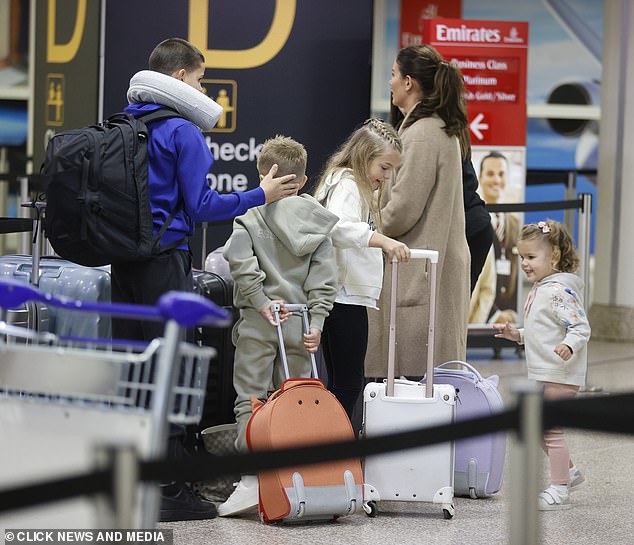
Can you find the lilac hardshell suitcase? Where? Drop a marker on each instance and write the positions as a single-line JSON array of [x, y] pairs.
[[479, 461], [62, 278]]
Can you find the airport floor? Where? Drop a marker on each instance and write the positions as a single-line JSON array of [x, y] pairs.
[[601, 511]]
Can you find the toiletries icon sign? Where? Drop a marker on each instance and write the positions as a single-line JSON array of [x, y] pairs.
[[55, 87], [225, 93]]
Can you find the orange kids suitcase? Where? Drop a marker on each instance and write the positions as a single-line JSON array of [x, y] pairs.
[[303, 412]]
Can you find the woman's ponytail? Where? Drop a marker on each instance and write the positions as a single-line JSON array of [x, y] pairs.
[[443, 90]]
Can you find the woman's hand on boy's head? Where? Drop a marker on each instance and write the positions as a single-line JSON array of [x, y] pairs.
[[278, 188]]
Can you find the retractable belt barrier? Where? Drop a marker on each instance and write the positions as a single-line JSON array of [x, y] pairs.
[[537, 206], [15, 225], [613, 414]]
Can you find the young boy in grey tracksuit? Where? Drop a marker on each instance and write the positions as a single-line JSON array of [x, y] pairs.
[[279, 252]]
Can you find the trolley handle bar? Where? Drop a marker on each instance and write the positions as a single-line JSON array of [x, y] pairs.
[[187, 309], [432, 255], [292, 307]]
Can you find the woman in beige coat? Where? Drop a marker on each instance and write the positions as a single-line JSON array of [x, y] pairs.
[[424, 209]]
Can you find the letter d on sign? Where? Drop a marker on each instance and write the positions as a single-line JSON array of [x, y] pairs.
[[283, 19], [62, 53]]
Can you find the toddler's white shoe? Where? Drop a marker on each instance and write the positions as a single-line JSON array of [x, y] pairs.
[[577, 480], [244, 498], [553, 498]]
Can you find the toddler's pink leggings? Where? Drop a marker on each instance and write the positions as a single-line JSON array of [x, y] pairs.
[[555, 445]]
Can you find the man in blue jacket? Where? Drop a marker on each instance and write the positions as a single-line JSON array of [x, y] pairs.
[[179, 161]]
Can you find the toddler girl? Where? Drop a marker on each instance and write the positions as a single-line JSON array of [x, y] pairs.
[[555, 334]]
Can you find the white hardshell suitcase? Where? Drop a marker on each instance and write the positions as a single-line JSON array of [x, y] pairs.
[[416, 475]]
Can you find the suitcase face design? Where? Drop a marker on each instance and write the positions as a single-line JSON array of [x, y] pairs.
[[479, 467], [422, 474], [302, 413]]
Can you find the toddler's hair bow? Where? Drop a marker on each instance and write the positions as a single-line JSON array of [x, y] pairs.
[[543, 226]]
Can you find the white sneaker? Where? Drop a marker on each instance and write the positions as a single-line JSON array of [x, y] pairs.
[[577, 480], [244, 498], [553, 498]]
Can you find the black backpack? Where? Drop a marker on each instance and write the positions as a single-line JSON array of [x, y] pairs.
[[98, 207]]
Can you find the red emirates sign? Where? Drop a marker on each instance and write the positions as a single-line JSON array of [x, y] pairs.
[[415, 12], [492, 56]]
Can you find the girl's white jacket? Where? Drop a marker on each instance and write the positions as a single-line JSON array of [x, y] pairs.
[[360, 268], [553, 315]]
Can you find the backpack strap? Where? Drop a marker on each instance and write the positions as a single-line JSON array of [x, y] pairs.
[[148, 118], [159, 114], [156, 247]]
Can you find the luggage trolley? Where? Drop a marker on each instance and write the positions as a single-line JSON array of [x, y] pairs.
[[62, 397]]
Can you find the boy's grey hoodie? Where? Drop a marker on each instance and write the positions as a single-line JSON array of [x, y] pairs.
[[554, 314], [283, 251]]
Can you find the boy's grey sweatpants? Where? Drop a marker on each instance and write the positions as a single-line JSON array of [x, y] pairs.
[[258, 368]]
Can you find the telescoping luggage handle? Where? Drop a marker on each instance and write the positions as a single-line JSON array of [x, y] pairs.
[[276, 308], [432, 256]]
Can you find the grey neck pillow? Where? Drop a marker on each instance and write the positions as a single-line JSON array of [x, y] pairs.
[[157, 88]]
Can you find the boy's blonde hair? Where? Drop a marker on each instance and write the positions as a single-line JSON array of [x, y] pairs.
[[554, 233], [368, 142], [288, 154]]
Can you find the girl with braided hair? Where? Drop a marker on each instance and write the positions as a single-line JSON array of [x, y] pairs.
[[424, 208], [556, 334], [354, 174]]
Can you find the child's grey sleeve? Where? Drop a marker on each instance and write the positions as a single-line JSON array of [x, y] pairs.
[[321, 284], [245, 268]]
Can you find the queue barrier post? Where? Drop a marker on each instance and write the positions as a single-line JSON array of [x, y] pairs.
[[120, 504], [525, 465], [583, 243]]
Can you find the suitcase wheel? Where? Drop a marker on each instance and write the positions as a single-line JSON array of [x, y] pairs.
[[448, 511], [370, 508]]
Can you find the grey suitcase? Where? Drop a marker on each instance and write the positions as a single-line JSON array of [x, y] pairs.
[[63, 278]]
